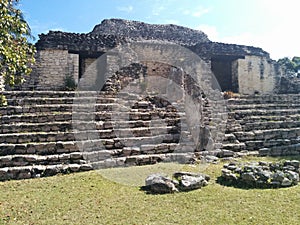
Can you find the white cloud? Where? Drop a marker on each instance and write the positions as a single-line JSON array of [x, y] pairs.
[[197, 12], [157, 10], [127, 9], [200, 12]]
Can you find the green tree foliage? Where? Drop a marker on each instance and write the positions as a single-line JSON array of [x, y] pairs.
[[291, 65], [16, 53]]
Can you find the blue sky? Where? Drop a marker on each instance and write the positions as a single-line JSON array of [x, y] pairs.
[[269, 24]]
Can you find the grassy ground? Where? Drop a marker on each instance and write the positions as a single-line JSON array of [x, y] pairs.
[[89, 198]]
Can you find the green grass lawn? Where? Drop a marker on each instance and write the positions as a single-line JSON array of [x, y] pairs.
[[90, 198]]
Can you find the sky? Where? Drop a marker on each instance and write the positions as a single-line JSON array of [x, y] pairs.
[[269, 24]]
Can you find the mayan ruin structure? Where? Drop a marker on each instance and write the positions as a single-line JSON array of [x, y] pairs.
[[63, 119]]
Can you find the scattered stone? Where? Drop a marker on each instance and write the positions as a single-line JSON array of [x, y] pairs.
[[160, 184], [183, 181], [261, 174]]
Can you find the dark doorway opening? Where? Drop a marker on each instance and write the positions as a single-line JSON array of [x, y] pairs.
[[222, 67]]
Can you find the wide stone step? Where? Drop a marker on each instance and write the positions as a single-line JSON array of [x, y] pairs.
[[30, 160], [257, 144], [270, 125], [56, 101], [140, 160], [44, 117], [39, 148], [19, 138], [264, 99], [36, 127], [26, 172], [86, 143], [239, 114], [288, 150], [63, 126], [36, 118], [12, 110], [276, 118], [288, 105], [291, 133], [235, 147], [81, 109], [108, 146], [57, 94]]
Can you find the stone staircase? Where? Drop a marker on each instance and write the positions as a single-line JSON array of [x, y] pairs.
[[45, 132], [268, 124], [48, 132]]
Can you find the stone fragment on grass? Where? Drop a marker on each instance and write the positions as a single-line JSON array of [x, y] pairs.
[[261, 174], [160, 184], [184, 181]]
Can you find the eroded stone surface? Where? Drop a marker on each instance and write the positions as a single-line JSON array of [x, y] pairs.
[[183, 181], [261, 174]]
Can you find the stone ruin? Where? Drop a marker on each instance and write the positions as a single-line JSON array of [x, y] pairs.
[[238, 68], [261, 174], [42, 136]]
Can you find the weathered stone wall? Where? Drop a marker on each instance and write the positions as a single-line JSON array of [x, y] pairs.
[[73, 62], [53, 66], [61, 54], [256, 75]]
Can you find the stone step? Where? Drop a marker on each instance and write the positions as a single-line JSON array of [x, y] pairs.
[[26, 172], [30, 160], [288, 105], [56, 94], [140, 160], [11, 110], [230, 139], [40, 148], [85, 142], [56, 101], [291, 133], [235, 147], [240, 114], [270, 125], [288, 150], [80, 109], [63, 126], [19, 138], [44, 117], [257, 144], [276, 118], [114, 147], [250, 99]]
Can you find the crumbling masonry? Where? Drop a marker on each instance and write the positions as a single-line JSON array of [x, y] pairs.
[[46, 129]]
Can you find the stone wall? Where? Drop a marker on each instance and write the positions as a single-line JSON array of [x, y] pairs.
[[256, 75], [53, 66], [247, 69], [73, 62]]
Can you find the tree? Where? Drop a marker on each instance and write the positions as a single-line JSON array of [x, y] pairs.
[[291, 65], [16, 53], [296, 60], [288, 64]]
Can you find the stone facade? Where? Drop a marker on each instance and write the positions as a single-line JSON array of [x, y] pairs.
[[238, 68], [255, 74]]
